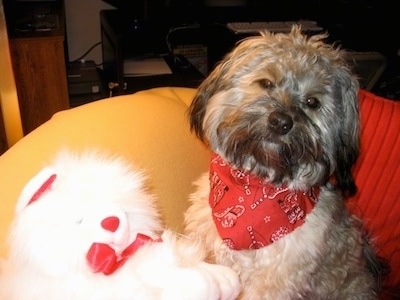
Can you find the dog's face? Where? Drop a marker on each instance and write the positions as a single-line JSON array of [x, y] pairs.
[[285, 107]]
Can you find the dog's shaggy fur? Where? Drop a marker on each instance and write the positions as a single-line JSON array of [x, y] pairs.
[[75, 221], [283, 108]]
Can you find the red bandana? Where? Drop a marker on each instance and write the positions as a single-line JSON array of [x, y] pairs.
[[251, 213]]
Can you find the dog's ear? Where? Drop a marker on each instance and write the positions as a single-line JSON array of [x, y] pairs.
[[197, 108], [207, 89], [348, 148]]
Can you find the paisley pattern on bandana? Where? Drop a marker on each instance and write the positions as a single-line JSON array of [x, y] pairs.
[[251, 213]]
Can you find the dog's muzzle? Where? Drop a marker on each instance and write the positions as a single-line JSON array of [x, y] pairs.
[[280, 123]]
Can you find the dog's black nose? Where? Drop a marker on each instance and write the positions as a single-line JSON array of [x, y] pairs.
[[280, 122]]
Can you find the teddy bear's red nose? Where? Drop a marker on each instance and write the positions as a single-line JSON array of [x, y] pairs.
[[110, 223]]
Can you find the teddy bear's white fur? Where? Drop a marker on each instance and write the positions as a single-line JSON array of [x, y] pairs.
[[74, 221]]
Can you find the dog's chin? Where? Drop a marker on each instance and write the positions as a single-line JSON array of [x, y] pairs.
[[295, 159]]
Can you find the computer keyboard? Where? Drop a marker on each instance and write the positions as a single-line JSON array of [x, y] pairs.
[[256, 27]]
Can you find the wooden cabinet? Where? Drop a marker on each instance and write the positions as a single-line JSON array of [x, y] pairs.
[[39, 64], [40, 77]]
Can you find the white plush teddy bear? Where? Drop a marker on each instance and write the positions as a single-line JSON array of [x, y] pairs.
[[87, 228]]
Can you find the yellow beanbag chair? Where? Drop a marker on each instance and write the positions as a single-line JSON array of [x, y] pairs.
[[149, 128]]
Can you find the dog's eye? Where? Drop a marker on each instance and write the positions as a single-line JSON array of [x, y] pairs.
[[266, 83], [312, 102]]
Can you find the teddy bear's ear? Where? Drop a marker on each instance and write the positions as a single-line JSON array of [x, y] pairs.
[[35, 188]]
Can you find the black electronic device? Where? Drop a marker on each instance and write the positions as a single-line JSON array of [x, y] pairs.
[[120, 45], [368, 66], [83, 78]]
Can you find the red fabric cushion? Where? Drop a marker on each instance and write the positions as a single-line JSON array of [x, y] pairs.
[[377, 176]]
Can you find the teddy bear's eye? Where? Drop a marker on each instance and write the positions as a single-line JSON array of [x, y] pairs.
[[265, 83], [313, 103]]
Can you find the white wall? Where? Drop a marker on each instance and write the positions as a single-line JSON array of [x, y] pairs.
[[83, 28]]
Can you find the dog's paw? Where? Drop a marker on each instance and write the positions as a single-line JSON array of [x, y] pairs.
[[204, 282], [227, 280]]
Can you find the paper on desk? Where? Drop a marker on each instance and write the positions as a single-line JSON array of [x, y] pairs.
[[146, 67]]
